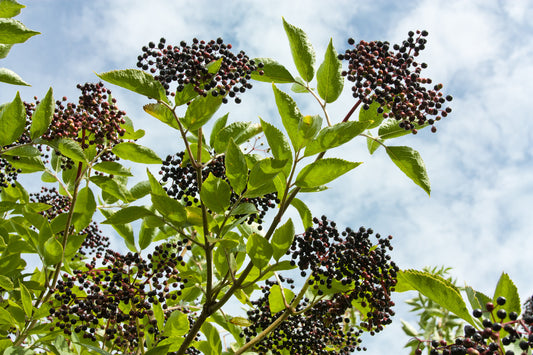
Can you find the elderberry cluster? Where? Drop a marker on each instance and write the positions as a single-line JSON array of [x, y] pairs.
[[391, 77], [190, 64], [184, 184], [350, 262], [500, 329], [317, 330], [111, 300], [8, 173]]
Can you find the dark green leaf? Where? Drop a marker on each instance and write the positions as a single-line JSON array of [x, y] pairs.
[[186, 95], [10, 8], [41, 118], [436, 288], [13, 31], [372, 116], [52, 251], [12, 120], [84, 208], [23, 151], [323, 171], [244, 209], [212, 345], [239, 131], [137, 81], [279, 146], [70, 149], [282, 239], [200, 110], [236, 169], [506, 288], [273, 72], [112, 167], [169, 208], [113, 187], [334, 136], [217, 126], [146, 236], [309, 126], [220, 259], [215, 194], [304, 212], [136, 153], [124, 230], [264, 172], [290, 116], [26, 299], [162, 113], [259, 250], [275, 298], [26, 164], [74, 243], [329, 79], [177, 324], [391, 129], [410, 162], [303, 54], [140, 189], [128, 214], [6, 283], [10, 77]]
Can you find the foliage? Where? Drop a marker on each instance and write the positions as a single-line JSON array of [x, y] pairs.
[[213, 229]]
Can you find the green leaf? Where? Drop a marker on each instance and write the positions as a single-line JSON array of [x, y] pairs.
[[410, 162], [10, 77], [162, 113], [124, 230], [304, 212], [391, 129], [25, 297], [290, 117], [4, 50], [273, 72], [74, 243], [309, 126], [372, 144], [6, 283], [217, 126], [169, 208], [200, 110], [177, 324], [240, 321], [136, 153], [282, 239], [137, 81], [215, 194], [240, 132], [26, 164], [303, 54], [114, 187], [13, 31], [155, 186], [186, 95], [264, 171], [140, 189], [334, 136], [506, 288], [23, 150], [212, 345], [146, 236], [329, 79], [128, 214], [436, 288], [131, 133], [17, 350], [259, 250], [244, 209], [323, 171], [84, 208], [372, 116], [42, 117], [112, 167], [409, 329], [10, 8], [236, 169], [70, 149], [93, 348], [12, 120], [279, 146], [52, 251], [275, 298], [299, 87]]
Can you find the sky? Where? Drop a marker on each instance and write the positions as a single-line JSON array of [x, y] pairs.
[[479, 217]]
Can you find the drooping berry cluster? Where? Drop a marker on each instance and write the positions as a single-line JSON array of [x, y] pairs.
[[95, 120], [108, 302], [349, 261], [500, 330], [190, 64], [392, 78], [317, 330], [184, 185]]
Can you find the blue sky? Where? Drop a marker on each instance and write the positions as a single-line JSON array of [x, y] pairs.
[[479, 217]]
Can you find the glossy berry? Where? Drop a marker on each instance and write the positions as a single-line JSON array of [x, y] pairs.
[[501, 300]]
